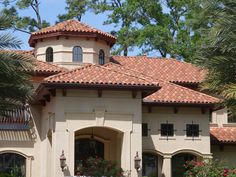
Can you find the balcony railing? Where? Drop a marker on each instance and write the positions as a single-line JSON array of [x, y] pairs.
[[17, 119]]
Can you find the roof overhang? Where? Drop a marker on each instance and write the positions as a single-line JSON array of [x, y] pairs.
[[145, 90], [34, 38], [179, 104]]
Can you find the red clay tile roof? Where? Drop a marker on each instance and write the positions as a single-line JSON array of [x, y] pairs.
[[42, 67], [165, 69], [223, 134], [100, 75], [71, 27], [39, 67], [169, 93]]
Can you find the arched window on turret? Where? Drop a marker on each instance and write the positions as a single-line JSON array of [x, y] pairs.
[[49, 54], [101, 57], [77, 54]]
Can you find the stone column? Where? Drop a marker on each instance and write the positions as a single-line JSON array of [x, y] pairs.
[[28, 166], [166, 166], [125, 153]]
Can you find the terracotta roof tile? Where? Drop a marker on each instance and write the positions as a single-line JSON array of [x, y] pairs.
[[46, 68], [223, 134], [100, 75], [72, 26], [169, 92], [166, 69]]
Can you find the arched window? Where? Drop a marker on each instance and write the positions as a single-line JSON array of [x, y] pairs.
[[11, 163], [150, 165], [77, 54], [49, 54], [101, 57]]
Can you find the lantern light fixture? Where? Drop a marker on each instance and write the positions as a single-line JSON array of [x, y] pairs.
[[63, 161], [137, 161]]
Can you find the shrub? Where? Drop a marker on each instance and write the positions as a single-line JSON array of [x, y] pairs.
[[208, 169], [99, 167]]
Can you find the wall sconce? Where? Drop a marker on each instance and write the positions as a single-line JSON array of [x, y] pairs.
[[63, 161], [137, 161]]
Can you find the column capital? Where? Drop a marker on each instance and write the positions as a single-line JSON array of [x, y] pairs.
[[167, 156], [207, 156]]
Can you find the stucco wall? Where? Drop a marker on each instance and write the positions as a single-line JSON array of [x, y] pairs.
[[62, 49], [116, 110], [179, 142], [220, 117], [227, 154], [30, 147]]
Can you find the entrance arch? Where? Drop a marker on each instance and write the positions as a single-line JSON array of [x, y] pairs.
[[101, 142], [86, 148], [178, 161]]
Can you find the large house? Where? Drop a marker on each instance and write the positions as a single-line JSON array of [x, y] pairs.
[[124, 109]]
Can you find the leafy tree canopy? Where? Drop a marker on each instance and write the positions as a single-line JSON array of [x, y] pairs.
[[25, 24]]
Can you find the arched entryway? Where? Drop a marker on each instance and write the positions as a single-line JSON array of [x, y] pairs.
[[178, 162], [86, 148], [101, 142], [12, 164]]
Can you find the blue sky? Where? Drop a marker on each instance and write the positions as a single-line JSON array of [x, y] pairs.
[[49, 10]]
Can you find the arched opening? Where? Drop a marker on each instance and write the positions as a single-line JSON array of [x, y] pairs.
[[149, 165], [97, 142], [178, 162], [77, 54], [86, 148], [101, 57], [12, 164], [49, 54]]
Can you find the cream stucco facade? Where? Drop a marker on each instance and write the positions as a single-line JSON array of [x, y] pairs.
[[116, 118], [63, 46], [113, 117]]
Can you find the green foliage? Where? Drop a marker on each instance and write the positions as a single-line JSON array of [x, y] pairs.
[[218, 51], [25, 24], [208, 169], [15, 87], [99, 167], [166, 28], [75, 9], [122, 14], [5, 175]]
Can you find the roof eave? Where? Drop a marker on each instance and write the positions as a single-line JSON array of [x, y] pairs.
[[146, 90], [189, 104], [105, 86], [34, 37]]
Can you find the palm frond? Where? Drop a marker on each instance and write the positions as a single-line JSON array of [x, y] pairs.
[[230, 91], [9, 42]]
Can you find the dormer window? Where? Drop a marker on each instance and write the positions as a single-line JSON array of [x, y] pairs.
[[101, 57], [77, 54], [49, 54]]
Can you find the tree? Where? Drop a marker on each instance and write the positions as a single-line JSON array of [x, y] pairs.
[[121, 13], [217, 54], [166, 27], [25, 24], [15, 87], [75, 9]]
